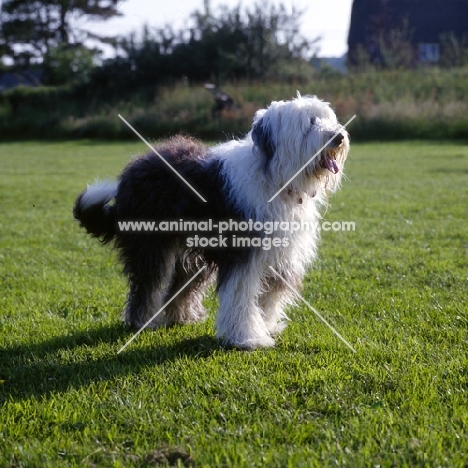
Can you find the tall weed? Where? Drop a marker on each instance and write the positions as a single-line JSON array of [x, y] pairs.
[[424, 103]]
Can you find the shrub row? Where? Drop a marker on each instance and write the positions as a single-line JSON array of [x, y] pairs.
[[388, 105]]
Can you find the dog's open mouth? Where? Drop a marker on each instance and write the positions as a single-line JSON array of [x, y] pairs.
[[328, 160]]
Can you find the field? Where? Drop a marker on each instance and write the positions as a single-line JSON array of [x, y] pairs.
[[396, 288]]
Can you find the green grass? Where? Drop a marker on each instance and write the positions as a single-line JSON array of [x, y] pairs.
[[395, 288]]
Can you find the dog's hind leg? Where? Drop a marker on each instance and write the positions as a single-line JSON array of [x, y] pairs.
[[187, 305], [149, 269], [143, 303], [240, 320]]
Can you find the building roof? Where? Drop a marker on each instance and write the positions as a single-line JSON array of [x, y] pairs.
[[427, 19]]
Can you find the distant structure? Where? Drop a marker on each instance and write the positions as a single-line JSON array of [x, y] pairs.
[[26, 78], [422, 22]]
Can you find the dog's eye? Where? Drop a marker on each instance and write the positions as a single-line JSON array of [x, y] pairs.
[[313, 121]]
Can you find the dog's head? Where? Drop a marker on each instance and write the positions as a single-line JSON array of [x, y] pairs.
[[301, 138]]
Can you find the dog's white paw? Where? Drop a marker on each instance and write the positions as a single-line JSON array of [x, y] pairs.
[[275, 328], [249, 344]]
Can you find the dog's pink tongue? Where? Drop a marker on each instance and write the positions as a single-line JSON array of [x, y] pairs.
[[331, 165]]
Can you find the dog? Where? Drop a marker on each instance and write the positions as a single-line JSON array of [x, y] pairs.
[[279, 175]]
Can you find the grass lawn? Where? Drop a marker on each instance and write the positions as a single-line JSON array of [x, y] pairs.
[[396, 288]]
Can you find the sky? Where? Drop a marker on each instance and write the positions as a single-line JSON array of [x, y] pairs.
[[328, 19]]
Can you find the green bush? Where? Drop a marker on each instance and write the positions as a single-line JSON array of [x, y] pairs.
[[425, 103]]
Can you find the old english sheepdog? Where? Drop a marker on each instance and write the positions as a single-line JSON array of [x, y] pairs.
[[263, 194]]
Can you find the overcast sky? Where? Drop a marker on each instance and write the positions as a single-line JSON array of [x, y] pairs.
[[326, 18]]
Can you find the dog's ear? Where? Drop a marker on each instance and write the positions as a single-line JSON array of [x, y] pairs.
[[263, 139]]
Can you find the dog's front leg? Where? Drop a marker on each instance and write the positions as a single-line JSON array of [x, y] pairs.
[[240, 320]]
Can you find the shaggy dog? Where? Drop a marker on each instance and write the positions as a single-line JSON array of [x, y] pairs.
[[241, 230]]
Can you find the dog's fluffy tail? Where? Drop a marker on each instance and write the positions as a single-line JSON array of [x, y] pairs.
[[93, 211]]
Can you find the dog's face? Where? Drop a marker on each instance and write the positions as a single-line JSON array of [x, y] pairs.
[[291, 135]]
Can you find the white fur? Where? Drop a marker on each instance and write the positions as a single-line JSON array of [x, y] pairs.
[[99, 193], [249, 316]]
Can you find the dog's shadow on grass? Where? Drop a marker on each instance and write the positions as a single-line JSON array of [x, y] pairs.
[[56, 365], [449, 170]]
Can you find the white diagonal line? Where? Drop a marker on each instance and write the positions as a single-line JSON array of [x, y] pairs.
[[315, 311], [161, 309], [162, 159], [309, 161]]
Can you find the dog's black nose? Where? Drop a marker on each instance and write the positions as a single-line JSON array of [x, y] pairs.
[[339, 137]]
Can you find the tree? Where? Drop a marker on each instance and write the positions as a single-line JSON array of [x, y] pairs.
[[259, 42], [67, 64], [30, 29], [252, 42]]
